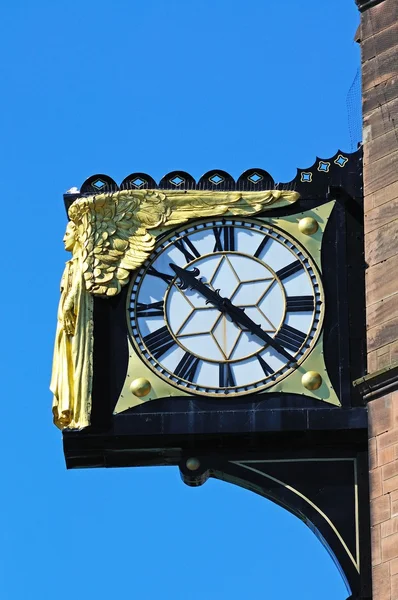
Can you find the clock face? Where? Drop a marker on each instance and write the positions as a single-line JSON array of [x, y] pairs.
[[225, 307]]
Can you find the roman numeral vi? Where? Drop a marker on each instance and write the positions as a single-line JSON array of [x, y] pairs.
[[226, 376]]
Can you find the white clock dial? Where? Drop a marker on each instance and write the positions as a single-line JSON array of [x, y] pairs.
[[225, 307]]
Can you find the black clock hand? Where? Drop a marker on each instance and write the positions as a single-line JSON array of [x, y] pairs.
[[238, 315], [188, 279]]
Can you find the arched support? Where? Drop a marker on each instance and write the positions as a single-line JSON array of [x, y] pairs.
[[328, 493]]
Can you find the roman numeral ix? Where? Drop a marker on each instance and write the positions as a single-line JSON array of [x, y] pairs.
[[149, 310]]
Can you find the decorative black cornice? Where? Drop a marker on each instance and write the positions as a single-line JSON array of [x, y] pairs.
[[342, 170], [378, 384]]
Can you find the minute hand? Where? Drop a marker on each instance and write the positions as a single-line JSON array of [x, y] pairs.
[[188, 279], [240, 317]]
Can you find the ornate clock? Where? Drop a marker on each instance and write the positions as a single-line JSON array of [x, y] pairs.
[[226, 307], [222, 300], [230, 307]]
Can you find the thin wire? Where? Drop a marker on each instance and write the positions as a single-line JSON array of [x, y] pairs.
[[354, 111]]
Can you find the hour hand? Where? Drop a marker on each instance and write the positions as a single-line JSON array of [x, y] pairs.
[[189, 279]]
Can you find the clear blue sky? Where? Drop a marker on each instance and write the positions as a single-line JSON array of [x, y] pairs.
[[152, 85]]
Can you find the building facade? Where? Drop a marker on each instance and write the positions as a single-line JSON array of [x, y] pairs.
[[378, 37]]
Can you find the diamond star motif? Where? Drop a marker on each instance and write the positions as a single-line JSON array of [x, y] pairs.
[[204, 323]]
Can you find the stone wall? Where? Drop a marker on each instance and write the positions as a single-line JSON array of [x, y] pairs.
[[379, 49], [378, 35], [383, 464]]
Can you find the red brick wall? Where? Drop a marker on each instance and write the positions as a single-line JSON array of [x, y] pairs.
[[383, 465], [379, 50]]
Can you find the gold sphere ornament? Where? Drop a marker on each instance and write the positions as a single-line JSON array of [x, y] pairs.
[[140, 387], [311, 380], [193, 464], [308, 226]]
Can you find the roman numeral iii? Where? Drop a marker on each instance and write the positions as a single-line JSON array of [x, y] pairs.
[[299, 303]]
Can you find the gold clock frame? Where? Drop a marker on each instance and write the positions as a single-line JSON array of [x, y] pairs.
[[274, 233], [291, 383]]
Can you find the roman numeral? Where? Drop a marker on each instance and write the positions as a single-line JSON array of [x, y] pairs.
[[289, 269], [261, 247], [165, 276], [187, 367], [183, 244], [290, 338], [226, 376], [299, 303], [264, 365], [149, 310], [225, 239], [159, 342]]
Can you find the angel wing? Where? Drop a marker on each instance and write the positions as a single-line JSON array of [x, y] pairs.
[[113, 229]]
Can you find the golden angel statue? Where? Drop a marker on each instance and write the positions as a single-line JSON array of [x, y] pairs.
[[109, 236], [72, 369]]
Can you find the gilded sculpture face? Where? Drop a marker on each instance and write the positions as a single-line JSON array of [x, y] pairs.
[[69, 238]]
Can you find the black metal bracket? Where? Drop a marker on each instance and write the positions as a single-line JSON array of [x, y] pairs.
[[328, 492]]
